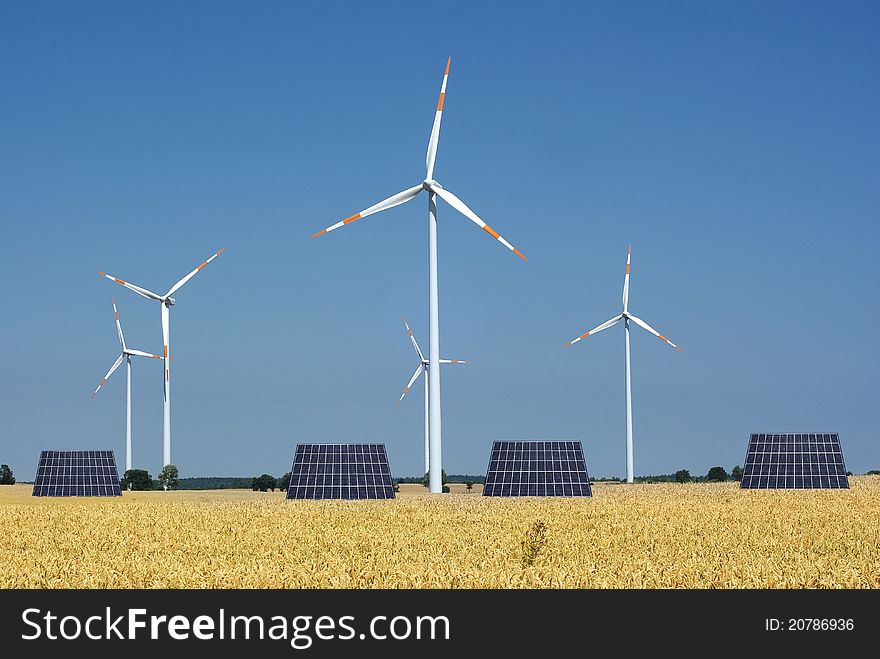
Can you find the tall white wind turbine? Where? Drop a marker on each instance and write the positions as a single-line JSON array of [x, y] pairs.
[[165, 302], [434, 189], [626, 317], [424, 366], [127, 354]]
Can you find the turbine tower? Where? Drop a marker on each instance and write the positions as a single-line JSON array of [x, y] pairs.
[[434, 189], [626, 317], [127, 354], [424, 365], [165, 302]]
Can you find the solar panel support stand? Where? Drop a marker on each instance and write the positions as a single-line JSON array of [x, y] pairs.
[[629, 411], [435, 459]]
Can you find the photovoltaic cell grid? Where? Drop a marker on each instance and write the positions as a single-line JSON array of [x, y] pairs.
[[77, 474], [537, 469], [340, 471], [794, 461]]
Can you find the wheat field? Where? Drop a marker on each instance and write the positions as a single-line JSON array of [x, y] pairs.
[[636, 536]]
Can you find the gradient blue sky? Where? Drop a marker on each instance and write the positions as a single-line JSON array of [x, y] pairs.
[[735, 144]]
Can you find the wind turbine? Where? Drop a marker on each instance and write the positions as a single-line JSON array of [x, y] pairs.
[[626, 317], [127, 354], [424, 365], [166, 302], [434, 189]]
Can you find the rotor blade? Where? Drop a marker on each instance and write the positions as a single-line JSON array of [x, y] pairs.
[[414, 342], [454, 361], [626, 279], [137, 289], [435, 129], [165, 333], [641, 323], [384, 205], [118, 325], [603, 326], [177, 286], [141, 353], [462, 208], [109, 373], [411, 380]]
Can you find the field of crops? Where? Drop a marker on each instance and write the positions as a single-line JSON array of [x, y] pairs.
[[642, 536]]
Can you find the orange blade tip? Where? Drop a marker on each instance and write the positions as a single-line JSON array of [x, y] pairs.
[[520, 255], [101, 273], [320, 233], [220, 251], [448, 62], [679, 349]]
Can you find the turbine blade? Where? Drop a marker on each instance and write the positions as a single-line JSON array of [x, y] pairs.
[[462, 208], [599, 328], [626, 280], [435, 129], [141, 353], [109, 373], [137, 289], [414, 342], [118, 326], [454, 361], [641, 323], [192, 274], [410, 384], [384, 205]]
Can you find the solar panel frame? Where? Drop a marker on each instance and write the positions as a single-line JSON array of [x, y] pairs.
[[794, 461], [543, 468], [77, 474], [340, 471]]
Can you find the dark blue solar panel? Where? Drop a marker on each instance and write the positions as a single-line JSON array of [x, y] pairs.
[[794, 461], [537, 469], [340, 471], [76, 474]]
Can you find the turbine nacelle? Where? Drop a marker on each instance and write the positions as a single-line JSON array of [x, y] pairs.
[[428, 183], [169, 302]]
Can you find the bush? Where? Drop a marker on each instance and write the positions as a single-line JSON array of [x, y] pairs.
[[264, 483], [6, 477], [717, 474], [136, 479]]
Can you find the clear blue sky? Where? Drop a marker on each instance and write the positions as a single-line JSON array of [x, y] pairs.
[[735, 144]]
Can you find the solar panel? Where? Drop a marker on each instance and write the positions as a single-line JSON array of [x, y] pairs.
[[77, 474], [794, 461], [537, 469], [340, 471]]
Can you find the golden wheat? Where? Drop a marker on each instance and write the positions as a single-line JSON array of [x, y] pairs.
[[642, 536]]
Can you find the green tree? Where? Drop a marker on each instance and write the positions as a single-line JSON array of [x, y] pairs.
[[168, 477], [469, 485], [284, 482], [264, 483], [6, 477], [426, 481], [683, 476], [717, 474], [136, 479], [737, 473]]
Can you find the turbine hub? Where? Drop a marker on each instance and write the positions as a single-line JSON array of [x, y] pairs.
[[169, 302], [427, 183]]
